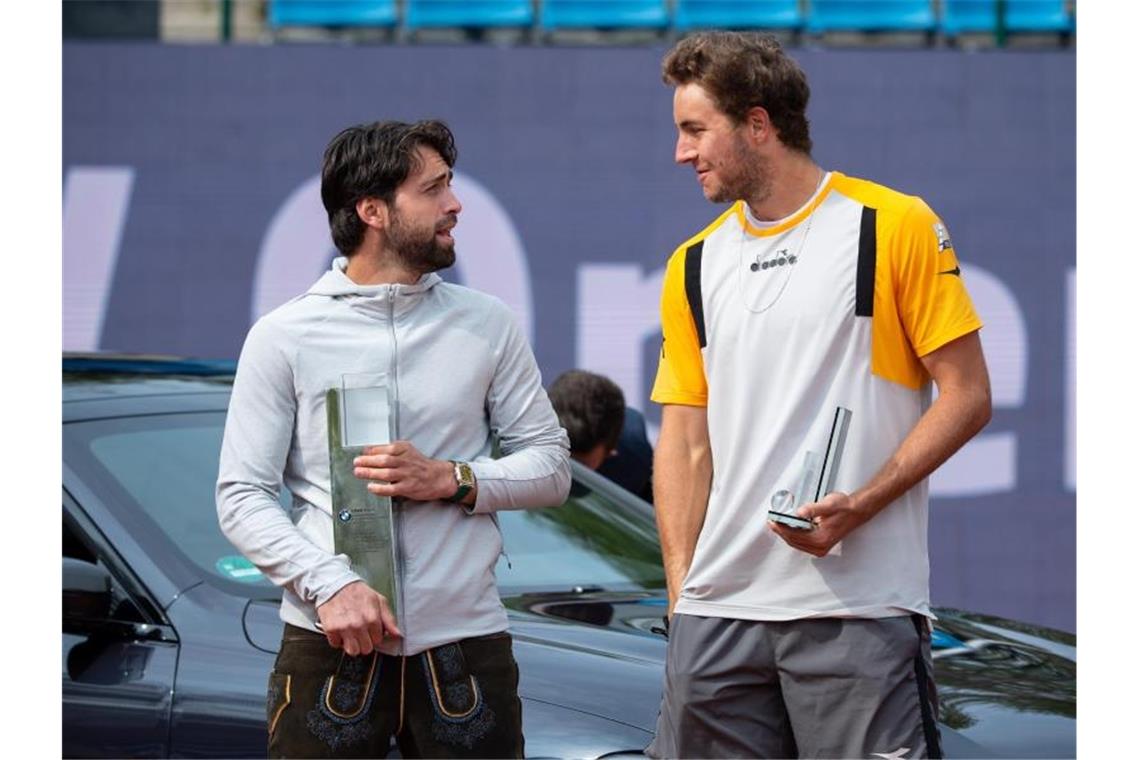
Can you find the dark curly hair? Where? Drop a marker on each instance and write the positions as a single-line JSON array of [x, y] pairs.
[[742, 70], [371, 161]]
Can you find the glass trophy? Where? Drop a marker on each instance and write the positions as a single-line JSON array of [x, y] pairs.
[[817, 477], [360, 415]]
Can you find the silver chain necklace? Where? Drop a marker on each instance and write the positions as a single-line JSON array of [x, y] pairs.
[[782, 259]]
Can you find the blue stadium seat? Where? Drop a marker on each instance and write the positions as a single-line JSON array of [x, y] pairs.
[[960, 16], [737, 14], [1037, 16], [420, 14], [870, 16], [376, 13], [623, 14]]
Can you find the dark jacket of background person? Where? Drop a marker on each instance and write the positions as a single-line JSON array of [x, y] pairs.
[[632, 466]]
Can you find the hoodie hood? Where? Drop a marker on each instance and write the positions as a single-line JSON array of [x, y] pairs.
[[372, 298]]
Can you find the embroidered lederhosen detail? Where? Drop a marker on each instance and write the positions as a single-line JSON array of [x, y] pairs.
[[459, 695], [463, 716], [344, 701], [344, 697], [280, 695]]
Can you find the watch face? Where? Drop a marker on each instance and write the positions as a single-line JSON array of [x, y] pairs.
[[466, 476]]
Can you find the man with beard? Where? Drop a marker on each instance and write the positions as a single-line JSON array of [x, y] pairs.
[[814, 293], [349, 676]]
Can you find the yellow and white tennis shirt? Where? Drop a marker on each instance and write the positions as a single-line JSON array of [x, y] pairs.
[[771, 327]]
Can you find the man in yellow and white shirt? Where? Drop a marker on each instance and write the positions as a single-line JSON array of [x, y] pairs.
[[813, 291]]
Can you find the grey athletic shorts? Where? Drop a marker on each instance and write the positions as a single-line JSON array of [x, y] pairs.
[[821, 688]]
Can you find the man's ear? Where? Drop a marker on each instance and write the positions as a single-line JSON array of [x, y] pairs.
[[758, 124], [373, 212]]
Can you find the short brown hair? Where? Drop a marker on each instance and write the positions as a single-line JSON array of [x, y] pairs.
[[742, 70]]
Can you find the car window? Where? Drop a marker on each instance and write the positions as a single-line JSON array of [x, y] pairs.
[[121, 607], [595, 539], [157, 472]]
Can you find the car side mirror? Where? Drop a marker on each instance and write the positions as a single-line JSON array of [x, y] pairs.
[[86, 592]]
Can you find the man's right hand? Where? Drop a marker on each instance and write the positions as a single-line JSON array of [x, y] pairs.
[[356, 619]]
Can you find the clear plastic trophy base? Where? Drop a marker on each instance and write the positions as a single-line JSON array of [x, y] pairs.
[[817, 477]]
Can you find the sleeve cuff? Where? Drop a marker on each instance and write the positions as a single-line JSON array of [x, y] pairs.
[[485, 471], [945, 337], [675, 397], [344, 576]]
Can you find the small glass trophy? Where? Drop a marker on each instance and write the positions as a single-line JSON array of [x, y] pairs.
[[360, 415], [817, 478]]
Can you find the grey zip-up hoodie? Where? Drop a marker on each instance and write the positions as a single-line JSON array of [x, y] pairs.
[[460, 368]]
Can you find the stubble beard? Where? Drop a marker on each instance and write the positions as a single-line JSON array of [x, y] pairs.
[[745, 176], [418, 248]]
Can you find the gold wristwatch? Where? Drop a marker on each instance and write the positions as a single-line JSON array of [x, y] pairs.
[[465, 478]]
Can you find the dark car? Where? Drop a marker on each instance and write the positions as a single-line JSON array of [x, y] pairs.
[[169, 634]]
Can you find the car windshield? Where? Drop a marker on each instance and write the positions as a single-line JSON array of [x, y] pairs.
[[157, 474]]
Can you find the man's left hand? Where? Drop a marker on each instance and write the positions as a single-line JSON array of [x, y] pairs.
[[834, 516], [399, 469]]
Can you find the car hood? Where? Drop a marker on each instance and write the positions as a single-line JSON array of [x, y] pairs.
[[1008, 686], [1006, 689], [604, 673]]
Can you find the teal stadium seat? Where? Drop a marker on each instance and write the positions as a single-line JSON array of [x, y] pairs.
[[963, 16], [1037, 16], [737, 14], [871, 16], [604, 14], [332, 13], [422, 14]]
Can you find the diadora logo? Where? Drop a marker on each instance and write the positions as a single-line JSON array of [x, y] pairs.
[[781, 258], [896, 755]]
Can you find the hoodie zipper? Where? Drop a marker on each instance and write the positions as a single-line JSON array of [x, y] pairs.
[[397, 508]]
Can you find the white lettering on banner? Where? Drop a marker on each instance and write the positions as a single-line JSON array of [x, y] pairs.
[[95, 202], [489, 253], [988, 463], [617, 310], [295, 250], [1071, 380]]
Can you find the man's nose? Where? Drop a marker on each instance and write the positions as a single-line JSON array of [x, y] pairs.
[[452, 204], [685, 152]]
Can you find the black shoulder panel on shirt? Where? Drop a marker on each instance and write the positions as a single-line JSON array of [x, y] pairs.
[[865, 273], [693, 287]]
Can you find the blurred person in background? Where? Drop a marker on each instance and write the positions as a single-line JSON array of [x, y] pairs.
[[605, 434], [813, 291], [349, 676]]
